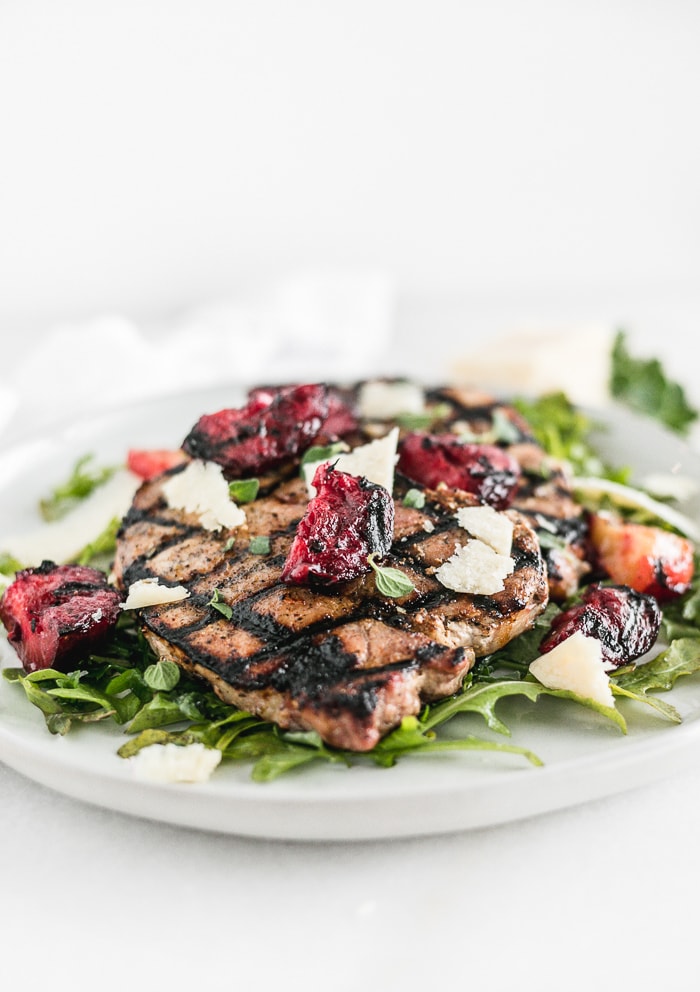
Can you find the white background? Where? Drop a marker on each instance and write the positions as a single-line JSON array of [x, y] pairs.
[[501, 163], [157, 154]]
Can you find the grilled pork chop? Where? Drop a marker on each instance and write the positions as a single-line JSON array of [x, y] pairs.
[[344, 661], [544, 492]]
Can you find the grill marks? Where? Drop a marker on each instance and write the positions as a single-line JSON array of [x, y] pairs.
[[345, 661]]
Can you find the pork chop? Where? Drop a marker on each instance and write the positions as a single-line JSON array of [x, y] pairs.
[[344, 661]]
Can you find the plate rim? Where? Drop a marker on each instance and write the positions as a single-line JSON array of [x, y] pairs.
[[333, 815]]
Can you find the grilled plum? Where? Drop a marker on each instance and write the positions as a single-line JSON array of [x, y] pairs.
[[625, 622], [55, 614], [648, 559], [342, 416], [348, 519], [482, 469], [274, 426]]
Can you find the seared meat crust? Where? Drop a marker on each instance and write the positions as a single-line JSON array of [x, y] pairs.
[[344, 661]]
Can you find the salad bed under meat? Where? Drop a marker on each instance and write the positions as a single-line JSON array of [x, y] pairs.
[[327, 572]]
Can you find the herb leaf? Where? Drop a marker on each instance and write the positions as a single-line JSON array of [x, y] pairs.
[[322, 453], [259, 545], [643, 385], [162, 676], [390, 582], [415, 499], [217, 602], [243, 490]]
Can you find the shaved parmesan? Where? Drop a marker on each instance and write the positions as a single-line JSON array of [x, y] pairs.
[[63, 540], [476, 569], [175, 762], [384, 400], [636, 499], [490, 526], [576, 665], [202, 489], [375, 461], [149, 592]]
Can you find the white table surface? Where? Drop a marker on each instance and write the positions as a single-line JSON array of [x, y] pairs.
[[604, 892]]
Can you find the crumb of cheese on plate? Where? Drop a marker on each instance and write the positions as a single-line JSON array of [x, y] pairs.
[[175, 762]]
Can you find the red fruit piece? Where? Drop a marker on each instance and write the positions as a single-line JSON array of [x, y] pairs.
[[348, 519], [482, 469], [648, 559], [56, 613], [342, 416], [150, 462], [625, 622], [273, 426]]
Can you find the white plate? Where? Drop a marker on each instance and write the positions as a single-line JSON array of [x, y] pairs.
[[585, 756]]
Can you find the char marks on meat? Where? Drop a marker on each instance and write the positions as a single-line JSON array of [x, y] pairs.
[[341, 660]]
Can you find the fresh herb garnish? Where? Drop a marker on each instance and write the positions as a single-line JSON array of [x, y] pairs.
[[162, 676], [390, 582], [218, 603], [320, 453], [243, 490], [259, 545], [81, 482], [643, 385], [425, 419], [415, 499]]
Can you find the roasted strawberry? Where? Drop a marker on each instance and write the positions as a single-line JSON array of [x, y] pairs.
[[55, 614], [275, 425], [482, 469], [150, 462], [625, 622], [648, 559], [348, 519]]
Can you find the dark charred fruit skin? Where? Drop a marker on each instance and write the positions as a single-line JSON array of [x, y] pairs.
[[55, 614], [348, 519], [274, 426], [484, 470], [342, 418], [626, 623]]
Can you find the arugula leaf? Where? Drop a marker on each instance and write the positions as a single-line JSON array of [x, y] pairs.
[[563, 431], [413, 737], [81, 482], [643, 385], [98, 552], [660, 674]]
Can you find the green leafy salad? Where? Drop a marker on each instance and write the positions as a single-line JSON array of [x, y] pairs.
[[155, 702]]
